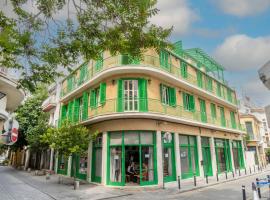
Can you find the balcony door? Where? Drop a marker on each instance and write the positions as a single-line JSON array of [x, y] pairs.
[[131, 95]]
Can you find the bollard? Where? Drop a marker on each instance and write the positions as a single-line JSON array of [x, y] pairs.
[[255, 195], [217, 176], [232, 174], [206, 177], [179, 184], [244, 192], [195, 182], [226, 175], [250, 170], [239, 171], [268, 177], [245, 171], [259, 189]]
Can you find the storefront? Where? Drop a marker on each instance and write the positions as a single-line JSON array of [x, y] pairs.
[[97, 160], [169, 171], [188, 156], [80, 162], [131, 158], [206, 155], [223, 155]]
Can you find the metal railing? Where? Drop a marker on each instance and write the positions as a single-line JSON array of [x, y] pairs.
[[147, 61], [155, 106]]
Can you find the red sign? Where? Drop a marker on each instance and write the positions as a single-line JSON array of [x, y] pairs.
[[14, 135]]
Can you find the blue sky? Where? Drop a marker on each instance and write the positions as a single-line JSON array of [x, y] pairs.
[[235, 32]]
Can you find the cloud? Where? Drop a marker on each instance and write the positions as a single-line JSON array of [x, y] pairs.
[[242, 8], [241, 52], [213, 33], [175, 13]]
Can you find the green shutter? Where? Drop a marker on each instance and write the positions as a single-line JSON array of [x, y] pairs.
[[199, 79], [92, 99], [160, 91], [222, 116], [102, 93], [124, 59], [85, 106], [164, 59], [76, 110], [120, 100], [184, 73], [172, 97], [143, 103], [233, 119], [177, 48], [83, 73], [219, 89], [209, 84], [192, 103], [203, 111], [229, 95], [213, 111], [99, 63], [70, 111], [70, 83], [185, 101]]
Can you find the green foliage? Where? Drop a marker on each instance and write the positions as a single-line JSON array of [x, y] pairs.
[[267, 153], [38, 43], [68, 139], [33, 121]]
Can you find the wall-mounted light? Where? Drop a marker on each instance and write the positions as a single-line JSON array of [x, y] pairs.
[[113, 81], [149, 81]]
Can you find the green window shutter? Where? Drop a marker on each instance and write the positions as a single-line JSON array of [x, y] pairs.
[[177, 48], [99, 63], [192, 103], [143, 102], [92, 99], [219, 89], [124, 59], [164, 59], [70, 83], [203, 111], [70, 111], [76, 110], [63, 112], [172, 97], [85, 106], [199, 79], [160, 90], [83, 72], [232, 114], [222, 116], [102, 93], [120, 100], [185, 101], [229, 95], [213, 111], [184, 73], [209, 84]]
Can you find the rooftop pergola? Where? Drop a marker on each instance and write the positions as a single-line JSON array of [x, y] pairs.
[[206, 61]]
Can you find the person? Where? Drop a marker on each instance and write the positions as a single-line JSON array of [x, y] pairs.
[[131, 171]]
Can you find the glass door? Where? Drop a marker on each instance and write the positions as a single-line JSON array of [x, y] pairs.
[[188, 156], [97, 160], [223, 155], [169, 173], [131, 95], [147, 165], [206, 153]]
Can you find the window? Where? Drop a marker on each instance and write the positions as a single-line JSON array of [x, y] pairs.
[[131, 95], [219, 89], [80, 109], [222, 116], [229, 95], [213, 111], [199, 79], [188, 101], [184, 72], [249, 129], [168, 95], [203, 110], [209, 84], [98, 96], [164, 59], [233, 123], [83, 73]]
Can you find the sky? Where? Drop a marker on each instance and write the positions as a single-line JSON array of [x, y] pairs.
[[236, 33]]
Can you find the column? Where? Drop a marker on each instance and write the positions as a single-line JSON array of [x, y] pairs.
[[243, 151], [159, 158], [51, 159], [200, 156], [104, 158], [69, 166], [89, 161], [213, 155], [231, 152], [56, 162], [177, 155]]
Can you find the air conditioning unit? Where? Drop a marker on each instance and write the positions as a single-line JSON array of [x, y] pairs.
[[264, 74]]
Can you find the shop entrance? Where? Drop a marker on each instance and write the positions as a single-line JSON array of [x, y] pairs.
[[206, 153], [223, 155], [132, 158]]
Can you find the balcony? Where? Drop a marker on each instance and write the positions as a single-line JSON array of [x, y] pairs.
[[49, 104], [157, 110], [218, 89]]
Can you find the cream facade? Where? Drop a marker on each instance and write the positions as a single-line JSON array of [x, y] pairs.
[[165, 115]]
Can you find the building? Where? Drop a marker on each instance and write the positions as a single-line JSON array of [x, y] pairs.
[[264, 74], [165, 115], [10, 96]]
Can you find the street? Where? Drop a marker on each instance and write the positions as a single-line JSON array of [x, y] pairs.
[[18, 185]]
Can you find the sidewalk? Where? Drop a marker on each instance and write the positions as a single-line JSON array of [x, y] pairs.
[[96, 192]]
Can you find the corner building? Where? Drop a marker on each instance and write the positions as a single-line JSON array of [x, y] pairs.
[[165, 115]]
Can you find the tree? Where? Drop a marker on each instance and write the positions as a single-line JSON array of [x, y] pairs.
[[32, 120], [65, 32], [69, 139]]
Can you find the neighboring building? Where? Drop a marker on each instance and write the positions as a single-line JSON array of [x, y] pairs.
[[165, 115], [52, 106], [264, 74], [10, 96], [255, 120]]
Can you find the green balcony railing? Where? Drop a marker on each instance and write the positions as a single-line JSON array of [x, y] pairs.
[[148, 62], [155, 106]]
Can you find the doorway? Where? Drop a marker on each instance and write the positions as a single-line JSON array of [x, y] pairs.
[[206, 153]]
